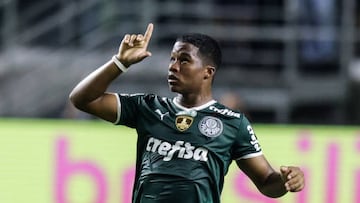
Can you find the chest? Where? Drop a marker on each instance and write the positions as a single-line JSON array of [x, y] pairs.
[[196, 128]]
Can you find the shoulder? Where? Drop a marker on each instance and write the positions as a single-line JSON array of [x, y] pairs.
[[144, 99], [145, 96], [224, 111], [234, 118]]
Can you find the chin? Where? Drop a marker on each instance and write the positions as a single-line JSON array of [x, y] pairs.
[[174, 89]]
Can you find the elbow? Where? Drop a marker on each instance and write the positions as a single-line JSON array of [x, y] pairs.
[[273, 186], [273, 195], [274, 191], [72, 98], [76, 100]]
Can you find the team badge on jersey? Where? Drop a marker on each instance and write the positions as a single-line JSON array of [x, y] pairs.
[[211, 126], [183, 122]]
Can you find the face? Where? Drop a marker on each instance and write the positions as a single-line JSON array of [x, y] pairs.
[[186, 69]]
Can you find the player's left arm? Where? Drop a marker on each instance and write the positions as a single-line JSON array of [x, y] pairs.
[[270, 182]]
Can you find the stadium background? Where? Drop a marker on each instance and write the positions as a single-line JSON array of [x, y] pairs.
[[292, 65]]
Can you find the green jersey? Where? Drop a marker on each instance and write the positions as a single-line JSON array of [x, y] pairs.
[[183, 153]]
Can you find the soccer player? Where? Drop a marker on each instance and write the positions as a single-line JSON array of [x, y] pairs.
[[185, 144]]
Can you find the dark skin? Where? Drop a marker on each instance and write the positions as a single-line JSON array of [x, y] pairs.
[[191, 77], [188, 76]]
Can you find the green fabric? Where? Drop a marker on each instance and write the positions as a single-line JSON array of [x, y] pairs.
[[184, 153]]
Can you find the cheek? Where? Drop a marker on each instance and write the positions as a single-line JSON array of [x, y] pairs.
[[193, 74], [196, 78]]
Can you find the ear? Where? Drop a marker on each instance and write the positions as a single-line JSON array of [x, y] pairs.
[[209, 72]]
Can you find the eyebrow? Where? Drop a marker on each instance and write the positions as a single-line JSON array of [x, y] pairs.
[[182, 54]]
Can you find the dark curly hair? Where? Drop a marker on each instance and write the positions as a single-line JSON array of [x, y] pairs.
[[209, 48]]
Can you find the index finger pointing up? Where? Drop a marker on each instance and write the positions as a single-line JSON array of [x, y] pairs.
[[148, 32]]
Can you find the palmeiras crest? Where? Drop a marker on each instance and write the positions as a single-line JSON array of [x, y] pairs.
[[211, 126]]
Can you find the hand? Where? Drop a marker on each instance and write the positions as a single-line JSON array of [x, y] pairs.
[[133, 48], [293, 178]]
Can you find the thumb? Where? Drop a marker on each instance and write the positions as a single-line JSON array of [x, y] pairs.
[[284, 169], [148, 53]]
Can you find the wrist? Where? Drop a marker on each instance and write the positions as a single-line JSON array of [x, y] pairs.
[[118, 64]]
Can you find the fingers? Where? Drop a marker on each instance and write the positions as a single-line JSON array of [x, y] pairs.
[[139, 39], [126, 39], [284, 169], [132, 40], [148, 32], [133, 47], [294, 183], [293, 178]]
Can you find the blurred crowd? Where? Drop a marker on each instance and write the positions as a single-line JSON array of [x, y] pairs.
[[291, 61]]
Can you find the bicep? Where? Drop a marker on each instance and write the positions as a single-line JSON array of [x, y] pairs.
[[104, 107], [257, 169]]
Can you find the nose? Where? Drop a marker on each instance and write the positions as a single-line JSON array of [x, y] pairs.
[[174, 66]]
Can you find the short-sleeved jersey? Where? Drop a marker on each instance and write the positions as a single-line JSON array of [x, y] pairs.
[[183, 153]]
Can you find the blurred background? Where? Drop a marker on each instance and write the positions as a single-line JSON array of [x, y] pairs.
[[284, 61]]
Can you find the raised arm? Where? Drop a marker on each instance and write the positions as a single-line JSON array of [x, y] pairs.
[[270, 182], [90, 95]]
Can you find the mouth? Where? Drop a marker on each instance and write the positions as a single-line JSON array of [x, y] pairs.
[[172, 78]]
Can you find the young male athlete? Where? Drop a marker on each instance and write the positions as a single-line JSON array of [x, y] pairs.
[[185, 144]]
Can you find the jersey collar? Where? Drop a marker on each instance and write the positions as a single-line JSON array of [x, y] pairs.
[[196, 108]]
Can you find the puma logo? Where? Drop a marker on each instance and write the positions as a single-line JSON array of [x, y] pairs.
[[161, 114]]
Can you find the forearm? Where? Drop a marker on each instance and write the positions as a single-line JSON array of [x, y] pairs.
[[273, 186], [94, 85], [90, 96]]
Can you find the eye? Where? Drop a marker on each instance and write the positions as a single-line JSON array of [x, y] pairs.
[[172, 59], [184, 60]]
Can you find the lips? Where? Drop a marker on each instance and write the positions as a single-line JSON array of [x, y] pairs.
[[172, 78]]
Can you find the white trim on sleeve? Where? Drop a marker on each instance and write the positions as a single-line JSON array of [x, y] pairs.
[[252, 155], [118, 109]]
